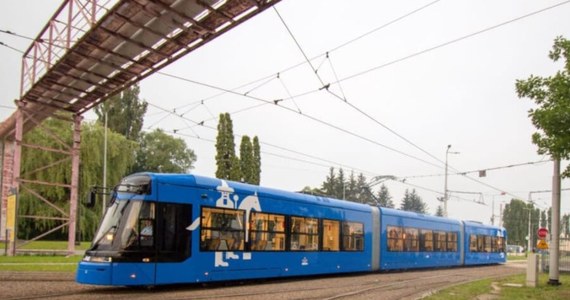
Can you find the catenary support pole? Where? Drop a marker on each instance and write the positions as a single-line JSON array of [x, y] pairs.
[[553, 273]]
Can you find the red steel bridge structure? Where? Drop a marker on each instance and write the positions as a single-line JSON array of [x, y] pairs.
[[89, 51]]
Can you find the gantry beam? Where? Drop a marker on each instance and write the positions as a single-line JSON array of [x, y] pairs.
[[91, 50]]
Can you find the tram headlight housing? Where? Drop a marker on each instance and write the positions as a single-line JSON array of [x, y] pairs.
[[101, 259]]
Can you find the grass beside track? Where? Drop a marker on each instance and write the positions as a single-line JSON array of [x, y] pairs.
[[42, 262], [39, 263], [49, 245], [512, 287]]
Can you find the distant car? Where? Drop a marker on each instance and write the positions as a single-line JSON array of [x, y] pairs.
[[515, 249]]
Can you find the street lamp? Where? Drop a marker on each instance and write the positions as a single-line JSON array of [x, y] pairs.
[[445, 185]]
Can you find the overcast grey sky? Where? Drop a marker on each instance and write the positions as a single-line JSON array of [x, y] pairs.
[[443, 75]]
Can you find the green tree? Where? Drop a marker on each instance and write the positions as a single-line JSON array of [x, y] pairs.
[[125, 112], [246, 159], [120, 159], [312, 191], [329, 185], [226, 161], [351, 190], [552, 96], [384, 197], [160, 152], [340, 185], [413, 202], [364, 192], [256, 161], [516, 221], [439, 211]]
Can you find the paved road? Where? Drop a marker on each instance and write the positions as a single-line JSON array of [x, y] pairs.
[[393, 285]]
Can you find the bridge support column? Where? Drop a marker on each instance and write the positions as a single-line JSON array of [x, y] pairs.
[[74, 193], [7, 150]]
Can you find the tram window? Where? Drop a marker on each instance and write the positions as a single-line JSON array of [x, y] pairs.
[[440, 241], [452, 241], [331, 235], [493, 244], [304, 234], [488, 247], [222, 229], [411, 240], [140, 226], [480, 243], [500, 244], [267, 232], [395, 242], [426, 240], [473, 243], [352, 236]]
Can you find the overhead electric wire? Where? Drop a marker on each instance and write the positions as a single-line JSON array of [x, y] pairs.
[[12, 48], [315, 57], [16, 35], [315, 119], [177, 132], [384, 25], [411, 56], [402, 59], [477, 171], [298, 45], [452, 41], [417, 54], [343, 99], [400, 179]]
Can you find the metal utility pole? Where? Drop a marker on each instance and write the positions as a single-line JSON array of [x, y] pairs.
[[553, 274], [529, 246], [104, 167], [445, 196]]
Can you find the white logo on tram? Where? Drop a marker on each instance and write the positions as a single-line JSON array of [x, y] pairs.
[[248, 204]]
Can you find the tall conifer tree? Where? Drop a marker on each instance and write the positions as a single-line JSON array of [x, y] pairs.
[[246, 159], [256, 161], [226, 160]]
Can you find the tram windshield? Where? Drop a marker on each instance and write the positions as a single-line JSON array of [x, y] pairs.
[[127, 225]]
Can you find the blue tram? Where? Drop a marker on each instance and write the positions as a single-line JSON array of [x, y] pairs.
[[173, 228]]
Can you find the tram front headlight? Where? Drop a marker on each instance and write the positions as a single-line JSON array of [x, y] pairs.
[[101, 259]]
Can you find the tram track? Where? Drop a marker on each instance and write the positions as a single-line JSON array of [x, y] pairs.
[[391, 285]]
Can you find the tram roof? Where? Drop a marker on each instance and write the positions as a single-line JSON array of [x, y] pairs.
[[263, 192]]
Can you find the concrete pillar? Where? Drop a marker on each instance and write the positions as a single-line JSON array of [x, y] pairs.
[[532, 270]]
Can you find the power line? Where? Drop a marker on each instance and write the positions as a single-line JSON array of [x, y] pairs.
[[402, 180], [298, 46], [384, 25], [331, 163], [272, 76], [10, 47], [18, 35], [451, 42], [344, 99], [315, 119], [477, 171]]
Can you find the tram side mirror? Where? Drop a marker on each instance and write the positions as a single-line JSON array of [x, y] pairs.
[[91, 198], [112, 200]]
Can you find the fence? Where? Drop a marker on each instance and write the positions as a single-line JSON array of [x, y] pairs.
[[563, 258]]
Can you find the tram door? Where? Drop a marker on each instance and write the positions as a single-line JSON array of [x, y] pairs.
[[173, 240]]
